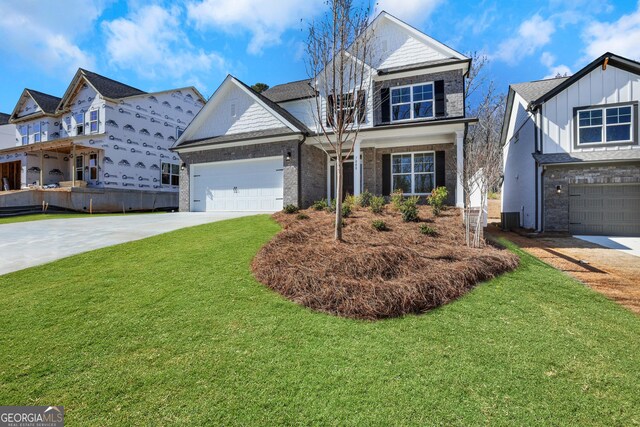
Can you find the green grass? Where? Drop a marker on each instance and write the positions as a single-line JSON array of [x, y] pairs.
[[42, 216], [174, 330]]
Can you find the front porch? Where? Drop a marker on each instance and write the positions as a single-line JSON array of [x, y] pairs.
[[52, 164]]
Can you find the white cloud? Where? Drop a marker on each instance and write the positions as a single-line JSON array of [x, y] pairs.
[[620, 37], [411, 11], [531, 35], [549, 61], [150, 42], [45, 34], [266, 21]]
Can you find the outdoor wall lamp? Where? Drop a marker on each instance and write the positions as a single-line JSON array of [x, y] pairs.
[[288, 156], [183, 166], [558, 189], [46, 156]]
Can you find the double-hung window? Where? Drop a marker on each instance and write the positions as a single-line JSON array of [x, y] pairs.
[[412, 102], [24, 134], [79, 118], [37, 135], [170, 174], [413, 173], [93, 121], [605, 125]]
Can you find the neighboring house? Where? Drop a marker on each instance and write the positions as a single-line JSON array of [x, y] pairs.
[[7, 132], [571, 153], [251, 151], [101, 134]]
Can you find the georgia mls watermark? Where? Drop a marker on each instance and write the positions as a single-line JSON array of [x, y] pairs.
[[31, 416]]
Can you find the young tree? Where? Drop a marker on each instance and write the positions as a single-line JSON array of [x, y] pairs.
[[338, 49], [482, 149]]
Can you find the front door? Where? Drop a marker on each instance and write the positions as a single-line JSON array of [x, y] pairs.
[[10, 175], [347, 180], [92, 176]]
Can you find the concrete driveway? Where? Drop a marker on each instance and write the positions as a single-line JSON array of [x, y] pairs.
[[28, 244], [627, 245]]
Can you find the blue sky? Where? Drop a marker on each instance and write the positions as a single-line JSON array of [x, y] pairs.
[[157, 45]]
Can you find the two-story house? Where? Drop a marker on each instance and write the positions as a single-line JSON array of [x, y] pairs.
[[571, 153], [102, 134], [260, 151]]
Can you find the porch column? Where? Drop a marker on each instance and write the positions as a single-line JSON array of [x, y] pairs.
[[460, 168], [356, 168], [41, 168], [73, 165]]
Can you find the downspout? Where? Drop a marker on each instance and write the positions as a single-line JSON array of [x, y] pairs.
[[304, 138], [535, 170], [542, 200]]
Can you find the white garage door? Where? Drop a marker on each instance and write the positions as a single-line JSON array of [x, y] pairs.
[[237, 185]]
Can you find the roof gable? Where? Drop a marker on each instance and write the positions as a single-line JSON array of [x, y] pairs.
[[34, 104], [236, 109]]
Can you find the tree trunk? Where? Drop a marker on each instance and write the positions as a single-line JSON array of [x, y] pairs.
[[338, 225]]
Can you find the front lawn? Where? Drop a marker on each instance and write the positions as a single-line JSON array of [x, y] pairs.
[[173, 329]]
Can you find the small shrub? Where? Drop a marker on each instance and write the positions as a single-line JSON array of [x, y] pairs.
[[302, 216], [437, 198], [379, 225], [409, 209], [397, 198], [350, 200], [320, 205], [376, 204], [428, 230], [346, 210], [364, 199], [290, 209], [331, 206]]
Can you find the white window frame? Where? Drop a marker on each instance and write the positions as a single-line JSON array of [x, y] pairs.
[[603, 126], [24, 136], [413, 172], [412, 102], [96, 121], [37, 132], [75, 119], [174, 171]]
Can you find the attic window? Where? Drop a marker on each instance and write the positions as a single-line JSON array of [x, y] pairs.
[[233, 110]]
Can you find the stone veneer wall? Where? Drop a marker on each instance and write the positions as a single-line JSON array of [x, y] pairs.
[[556, 206], [372, 166], [453, 89], [245, 152]]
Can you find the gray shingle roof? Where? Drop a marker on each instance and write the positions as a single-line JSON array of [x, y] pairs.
[[237, 137], [48, 103], [109, 87], [4, 118], [289, 91], [589, 156], [531, 91]]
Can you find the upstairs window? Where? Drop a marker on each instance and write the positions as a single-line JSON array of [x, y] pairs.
[[93, 121], [79, 118], [412, 102], [605, 125], [346, 109], [24, 134], [37, 135]]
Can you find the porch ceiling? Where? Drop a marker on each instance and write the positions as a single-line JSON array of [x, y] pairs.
[[60, 146]]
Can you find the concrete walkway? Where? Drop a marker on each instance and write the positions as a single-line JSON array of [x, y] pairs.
[[28, 244]]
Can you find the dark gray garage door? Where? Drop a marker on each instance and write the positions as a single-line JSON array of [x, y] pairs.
[[604, 209]]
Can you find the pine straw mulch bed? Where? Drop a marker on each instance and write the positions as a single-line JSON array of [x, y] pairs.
[[375, 274]]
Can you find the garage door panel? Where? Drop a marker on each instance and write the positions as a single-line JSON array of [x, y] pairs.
[[248, 185], [604, 209]]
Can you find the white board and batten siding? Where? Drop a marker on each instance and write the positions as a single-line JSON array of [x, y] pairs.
[[599, 87], [254, 185]]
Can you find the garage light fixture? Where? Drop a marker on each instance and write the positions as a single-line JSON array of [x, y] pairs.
[[558, 189], [183, 166], [288, 156]]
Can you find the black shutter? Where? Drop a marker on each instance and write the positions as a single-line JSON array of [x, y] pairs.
[[362, 106], [440, 169], [386, 174], [385, 105], [438, 87], [330, 110]]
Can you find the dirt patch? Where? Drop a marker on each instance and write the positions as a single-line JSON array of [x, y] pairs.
[[614, 274], [375, 274]]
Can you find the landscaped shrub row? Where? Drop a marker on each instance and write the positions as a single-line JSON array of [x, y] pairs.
[[410, 268]]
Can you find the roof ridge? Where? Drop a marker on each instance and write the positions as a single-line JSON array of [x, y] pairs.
[[541, 80], [85, 71]]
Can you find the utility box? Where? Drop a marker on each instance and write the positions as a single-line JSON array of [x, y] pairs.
[[510, 220]]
